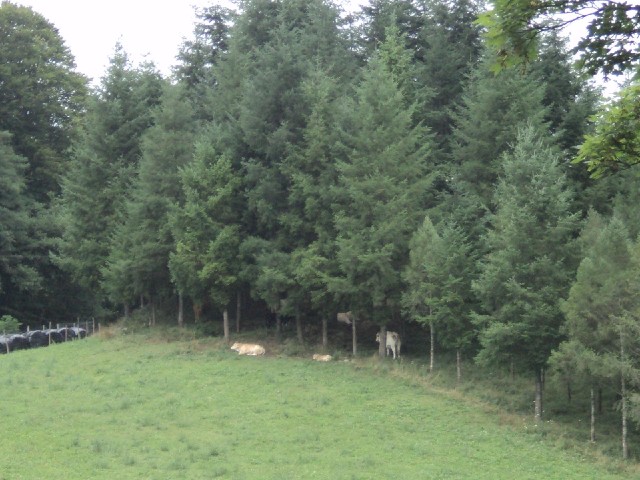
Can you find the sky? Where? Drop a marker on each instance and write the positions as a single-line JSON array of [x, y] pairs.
[[148, 29]]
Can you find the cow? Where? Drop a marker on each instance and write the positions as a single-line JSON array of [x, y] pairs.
[[393, 343], [248, 348], [322, 358], [345, 317]]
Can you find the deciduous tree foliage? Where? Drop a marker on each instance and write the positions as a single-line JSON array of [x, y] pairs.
[[609, 44], [16, 224], [41, 96], [615, 143]]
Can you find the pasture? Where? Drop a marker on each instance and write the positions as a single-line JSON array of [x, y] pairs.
[[132, 407]]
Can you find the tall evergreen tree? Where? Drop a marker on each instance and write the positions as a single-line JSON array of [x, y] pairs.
[[105, 159], [311, 172], [603, 310], [530, 260], [493, 109], [207, 229], [449, 50], [273, 48], [382, 195], [138, 260], [438, 286]]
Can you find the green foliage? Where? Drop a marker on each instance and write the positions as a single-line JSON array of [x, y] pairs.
[[438, 282], [382, 191], [41, 96], [207, 227], [138, 260], [16, 223], [97, 186], [530, 259], [608, 46], [9, 324], [603, 302], [494, 108], [615, 143]]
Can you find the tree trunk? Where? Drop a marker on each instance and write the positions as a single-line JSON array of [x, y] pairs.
[[127, 311], [538, 399], [278, 326], [625, 445], [325, 334], [153, 313], [623, 406], [197, 311], [458, 366], [299, 329], [354, 336], [180, 310], [225, 324], [382, 347], [599, 400], [569, 392], [238, 310], [593, 415], [432, 348]]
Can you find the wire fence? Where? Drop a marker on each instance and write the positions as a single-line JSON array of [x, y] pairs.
[[48, 335]]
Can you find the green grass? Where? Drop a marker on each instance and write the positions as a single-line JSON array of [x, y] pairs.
[[136, 408]]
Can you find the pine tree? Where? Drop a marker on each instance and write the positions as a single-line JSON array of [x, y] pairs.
[[381, 194], [603, 310], [493, 109], [138, 260], [262, 110], [438, 284], [530, 260], [105, 158], [207, 229]]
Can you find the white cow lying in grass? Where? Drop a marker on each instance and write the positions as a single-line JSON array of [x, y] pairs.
[[322, 358], [248, 348], [393, 343]]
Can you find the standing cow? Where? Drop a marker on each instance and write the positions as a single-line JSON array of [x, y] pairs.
[[393, 343]]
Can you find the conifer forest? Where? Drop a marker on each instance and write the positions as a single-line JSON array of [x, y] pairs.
[[445, 167]]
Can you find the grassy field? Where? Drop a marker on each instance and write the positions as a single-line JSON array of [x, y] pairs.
[[136, 408]]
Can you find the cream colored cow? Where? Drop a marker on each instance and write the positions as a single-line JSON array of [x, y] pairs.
[[248, 348], [393, 343], [322, 358]]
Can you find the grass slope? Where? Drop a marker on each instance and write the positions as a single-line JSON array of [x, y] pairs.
[[128, 408]]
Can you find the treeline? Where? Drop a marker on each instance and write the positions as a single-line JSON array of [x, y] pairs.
[[321, 162]]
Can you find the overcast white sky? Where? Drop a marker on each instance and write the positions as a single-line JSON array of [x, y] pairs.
[[91, 28], [144, 27], [152, 29]]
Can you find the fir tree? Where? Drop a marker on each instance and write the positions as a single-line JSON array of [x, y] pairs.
[[530, 260]]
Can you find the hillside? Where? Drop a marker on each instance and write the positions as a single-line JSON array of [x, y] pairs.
[[135, 407]]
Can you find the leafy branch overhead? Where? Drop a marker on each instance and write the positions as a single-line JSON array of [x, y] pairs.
[[610, 43]]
